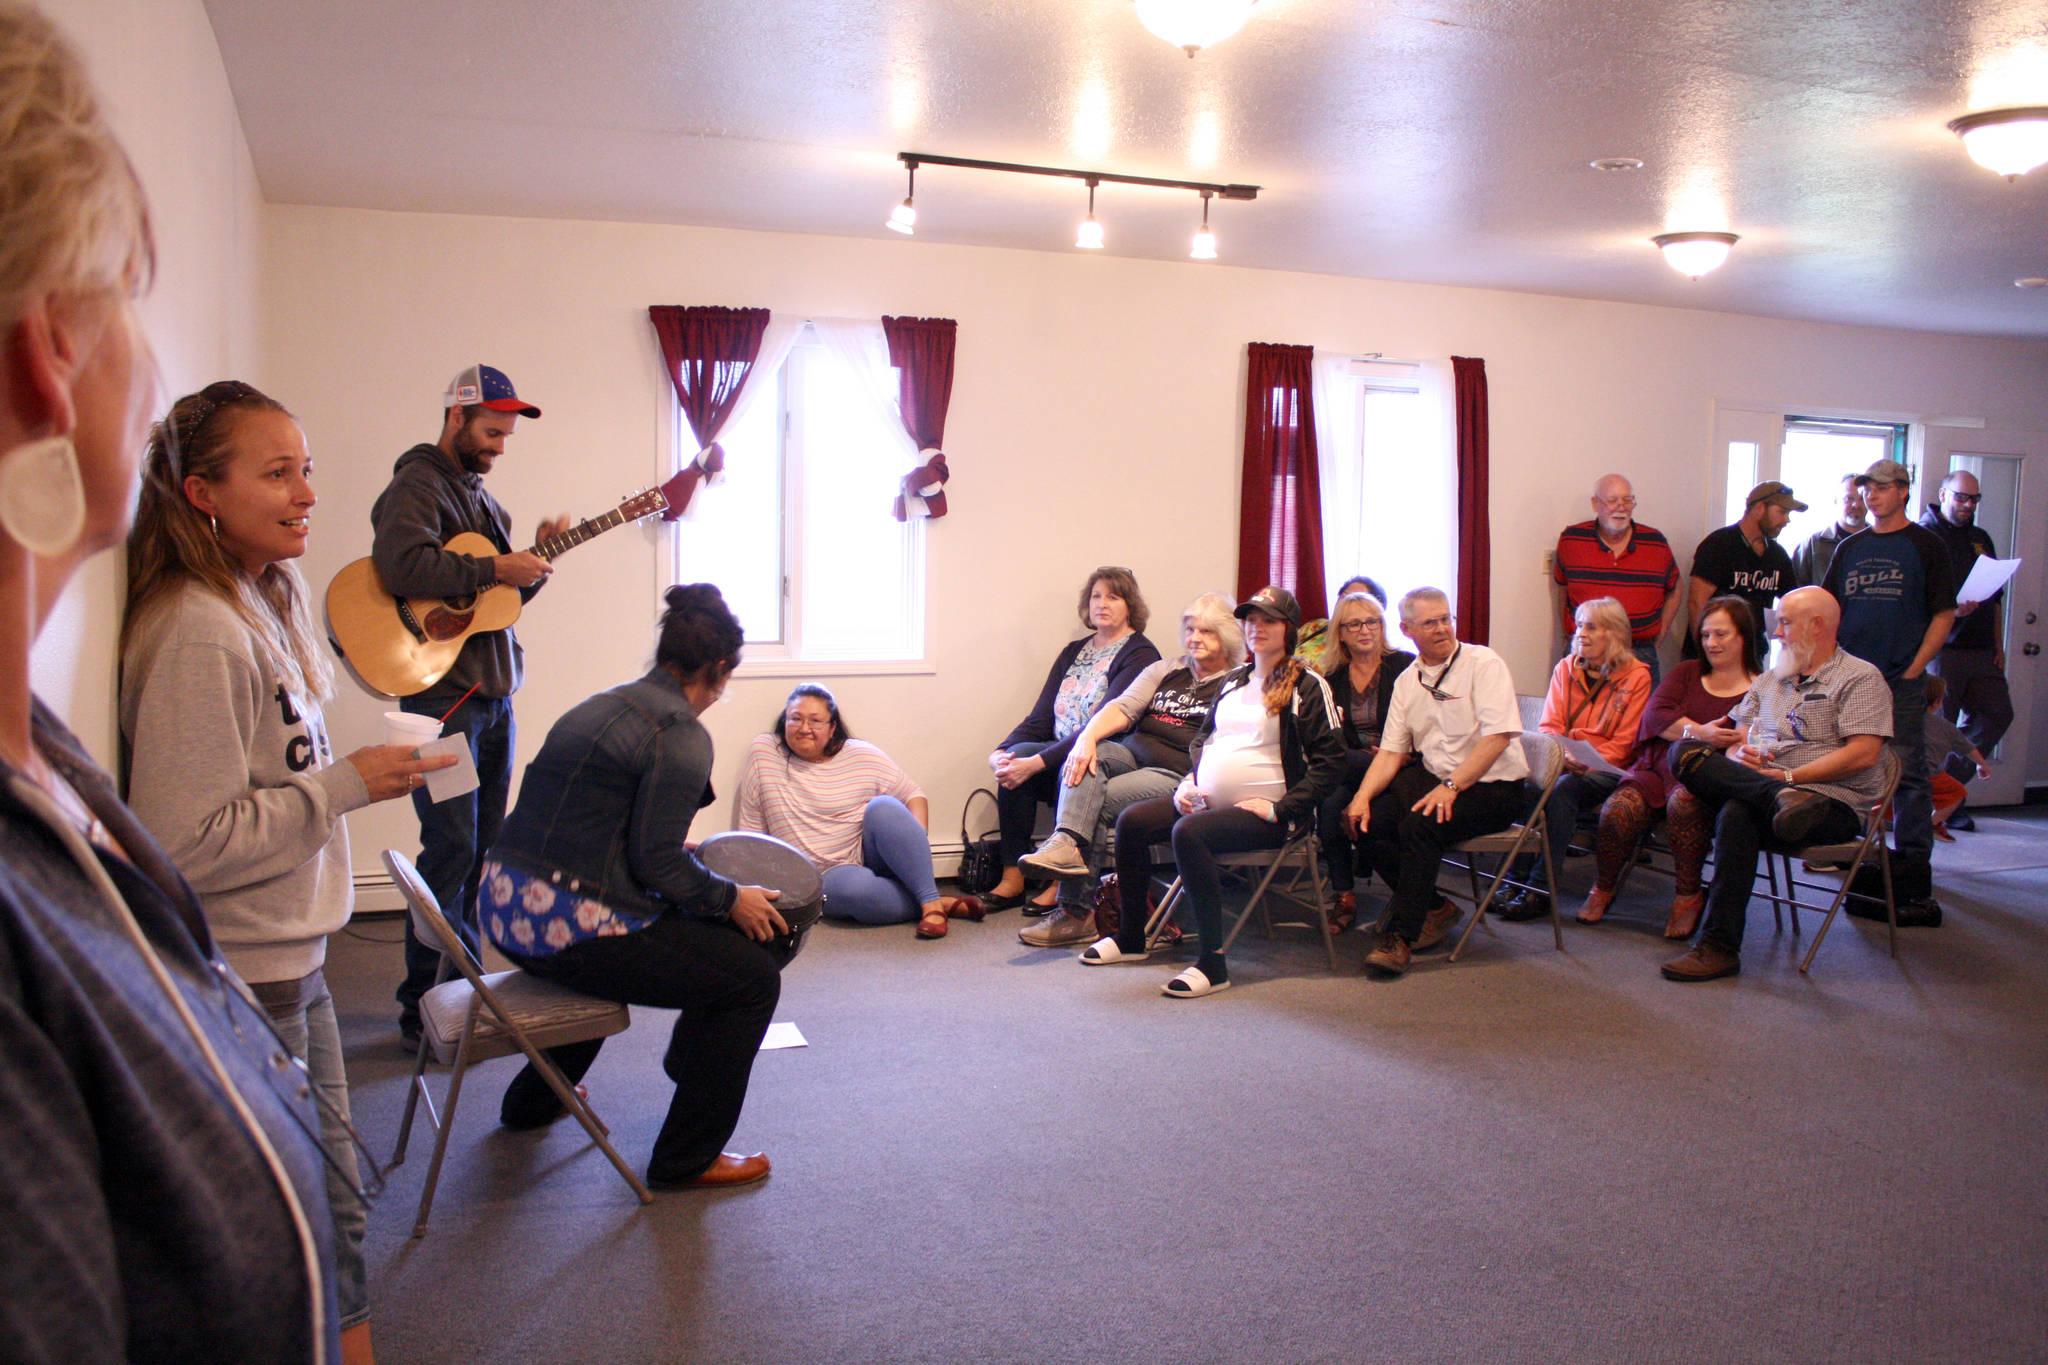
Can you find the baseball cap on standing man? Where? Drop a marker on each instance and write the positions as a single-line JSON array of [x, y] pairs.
[[1776, 494], [483, 386]]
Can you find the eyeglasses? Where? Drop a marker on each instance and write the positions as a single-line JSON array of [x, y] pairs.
[[1618, 503], [1971, 498], [806, 723], [1361, 625]]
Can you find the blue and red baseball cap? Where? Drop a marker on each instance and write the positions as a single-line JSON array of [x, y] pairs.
[[483, 386]]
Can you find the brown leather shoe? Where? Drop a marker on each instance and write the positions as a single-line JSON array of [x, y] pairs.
[[1436, 926], [1344, 913], [1390, 957], [1706, 962], [1685, 915], [1795, 814], [729, 1170]]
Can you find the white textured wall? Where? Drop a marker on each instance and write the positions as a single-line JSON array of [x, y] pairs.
[[1095, 417], [157, 66]]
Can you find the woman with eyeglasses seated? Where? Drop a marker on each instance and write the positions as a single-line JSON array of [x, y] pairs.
[[1157, 717], [227, 756], [1361, 666], [593, 883], [1316, 635], [1692, 696], [1087, 673], [1597, 694], [1265, 759], [846, 806]]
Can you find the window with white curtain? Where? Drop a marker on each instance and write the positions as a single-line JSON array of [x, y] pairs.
[[798, 533], [1388, 463]]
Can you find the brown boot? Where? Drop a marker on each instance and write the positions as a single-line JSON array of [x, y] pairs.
[[1706, 962]]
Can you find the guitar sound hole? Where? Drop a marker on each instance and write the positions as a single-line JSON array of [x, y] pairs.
[[442, 624]]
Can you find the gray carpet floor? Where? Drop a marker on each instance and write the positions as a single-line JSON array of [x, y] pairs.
[[988, 1153]]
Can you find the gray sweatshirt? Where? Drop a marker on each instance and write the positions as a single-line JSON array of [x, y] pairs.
[[237, 780]]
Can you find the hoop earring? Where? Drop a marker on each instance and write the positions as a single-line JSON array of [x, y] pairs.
[[214, 522]]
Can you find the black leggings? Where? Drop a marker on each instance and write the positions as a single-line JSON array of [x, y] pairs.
[[1197, 840]]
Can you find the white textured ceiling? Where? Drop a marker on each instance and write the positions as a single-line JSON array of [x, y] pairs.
[[1444, 141]]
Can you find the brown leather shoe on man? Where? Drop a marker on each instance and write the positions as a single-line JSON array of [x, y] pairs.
[[729, 1170], [1390, 957], [1437, 925], [1795, 814], [1706, 962]]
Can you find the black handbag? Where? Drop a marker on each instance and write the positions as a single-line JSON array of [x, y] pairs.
[[981, 858]]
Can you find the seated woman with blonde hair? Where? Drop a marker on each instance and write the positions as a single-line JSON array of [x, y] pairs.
[[1597, 694], [1361, 667], [846, 806]]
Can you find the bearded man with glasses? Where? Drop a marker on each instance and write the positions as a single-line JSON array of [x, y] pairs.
[[1972, 662]]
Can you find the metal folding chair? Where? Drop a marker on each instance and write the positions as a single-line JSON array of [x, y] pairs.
[[1301, 854], [1870, 843], [479, 1017], [1545, 757]]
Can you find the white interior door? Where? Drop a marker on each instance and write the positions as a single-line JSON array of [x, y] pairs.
[[2012, 468]]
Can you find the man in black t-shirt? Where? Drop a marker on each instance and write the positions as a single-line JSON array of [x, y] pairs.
[[1744, 560], [1972, 663]]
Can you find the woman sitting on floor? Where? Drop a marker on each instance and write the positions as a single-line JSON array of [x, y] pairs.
[[1087, 673], [605, 807], [1695, 693], [1597, 694], [1262, 765], [1158, 716], [846, 806], [1361, 667]]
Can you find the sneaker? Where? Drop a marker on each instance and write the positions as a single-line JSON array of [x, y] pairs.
[[1795, 814], [1436, 926], [1525, 906], [1390, 958], [1706, 962], [1059, 931], [1058, 856]]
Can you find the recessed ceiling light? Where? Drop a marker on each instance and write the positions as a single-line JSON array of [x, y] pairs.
[[2030, 282], [1616, 163]]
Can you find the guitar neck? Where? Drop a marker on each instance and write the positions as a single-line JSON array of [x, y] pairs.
[[580, 532]]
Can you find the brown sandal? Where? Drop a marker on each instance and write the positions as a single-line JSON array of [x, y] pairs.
[[1595, 908], [932, 924]]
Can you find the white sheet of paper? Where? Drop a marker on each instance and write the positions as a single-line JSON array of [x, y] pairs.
[[1588, 755], [1987, 576], [783, 1034], [443, 783]]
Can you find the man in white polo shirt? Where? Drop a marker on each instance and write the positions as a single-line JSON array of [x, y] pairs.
[[1453, 710]]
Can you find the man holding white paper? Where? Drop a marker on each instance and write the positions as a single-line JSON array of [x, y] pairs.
[[1972, 663]]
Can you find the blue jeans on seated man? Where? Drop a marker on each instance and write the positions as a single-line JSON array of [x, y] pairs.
[[892, 882], [1742, 801]]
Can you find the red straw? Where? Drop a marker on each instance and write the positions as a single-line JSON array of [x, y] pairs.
[[458, 702]]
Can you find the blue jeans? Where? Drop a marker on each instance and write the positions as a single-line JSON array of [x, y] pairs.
[[303, 1013], [1913, 807], [892, 882], [456, 833], [1089, 809]]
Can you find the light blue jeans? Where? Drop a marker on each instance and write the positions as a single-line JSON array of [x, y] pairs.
[[303, 1014], [893, 879], [1087, 811]]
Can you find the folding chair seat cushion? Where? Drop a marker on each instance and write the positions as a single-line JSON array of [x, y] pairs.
[[547, 1013]]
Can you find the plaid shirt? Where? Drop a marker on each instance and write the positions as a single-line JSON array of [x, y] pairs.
[[1815, 714]]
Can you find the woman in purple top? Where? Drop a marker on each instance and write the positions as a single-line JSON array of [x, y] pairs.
[[1694, 693], [1087, 673]]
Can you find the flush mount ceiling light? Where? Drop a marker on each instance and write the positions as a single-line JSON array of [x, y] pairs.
[[1090, 236], [1204, 248], [1616, 163], [2010, 142], [903, 218], [1192, 25], [1695, 253]]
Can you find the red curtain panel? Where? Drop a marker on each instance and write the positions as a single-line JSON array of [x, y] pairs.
[[1280, 512], [921, 349], [708, 352], [1475, 544]]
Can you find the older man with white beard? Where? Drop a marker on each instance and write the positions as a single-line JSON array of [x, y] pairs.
[[1800, 768]]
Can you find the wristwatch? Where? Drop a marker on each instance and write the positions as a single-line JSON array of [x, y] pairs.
[[1451, 783]]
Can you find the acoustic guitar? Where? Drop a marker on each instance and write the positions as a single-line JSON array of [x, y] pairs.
[[399, 646]]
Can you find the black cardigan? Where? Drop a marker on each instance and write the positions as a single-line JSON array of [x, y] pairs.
[[1391, 667], [1131, 660]]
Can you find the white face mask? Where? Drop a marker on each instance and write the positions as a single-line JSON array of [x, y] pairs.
[[42, 500]]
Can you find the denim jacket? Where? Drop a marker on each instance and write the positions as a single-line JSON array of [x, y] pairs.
[[606, 805]]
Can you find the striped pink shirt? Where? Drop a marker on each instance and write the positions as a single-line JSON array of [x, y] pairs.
[[816, 806]]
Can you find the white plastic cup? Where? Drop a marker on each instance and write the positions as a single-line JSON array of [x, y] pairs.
[[403, 727]]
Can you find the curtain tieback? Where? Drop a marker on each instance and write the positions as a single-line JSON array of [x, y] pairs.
[[924, 488], [704, 467]]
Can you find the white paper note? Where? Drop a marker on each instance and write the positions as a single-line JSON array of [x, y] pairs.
[[443, 783], [783, 1034], [1588, 755], [1987, 576]]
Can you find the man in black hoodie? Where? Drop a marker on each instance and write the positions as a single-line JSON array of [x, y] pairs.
[[1972, 663], [436, 493]]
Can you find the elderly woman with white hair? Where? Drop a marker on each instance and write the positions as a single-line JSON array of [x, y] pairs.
[[1597, 694], [1157, 717], [1361, 667]]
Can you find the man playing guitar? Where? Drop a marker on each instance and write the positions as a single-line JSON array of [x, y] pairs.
[[436, 492]]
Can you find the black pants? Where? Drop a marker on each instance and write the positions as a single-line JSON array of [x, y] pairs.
[[1741, 801], [1017, 807], [1197, 839], [1406, 847], [724, 984]]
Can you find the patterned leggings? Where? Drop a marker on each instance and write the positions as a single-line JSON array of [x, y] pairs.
[[1627, 816]]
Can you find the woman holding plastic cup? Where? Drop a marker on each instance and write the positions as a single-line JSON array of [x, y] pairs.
[[224, 750]]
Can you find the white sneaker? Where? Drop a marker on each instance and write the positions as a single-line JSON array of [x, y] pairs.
[[1192, 984], [1061, 929], [1058, 856], [1104, 951]]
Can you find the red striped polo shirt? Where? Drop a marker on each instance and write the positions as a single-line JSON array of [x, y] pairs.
[[1640, 577]]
